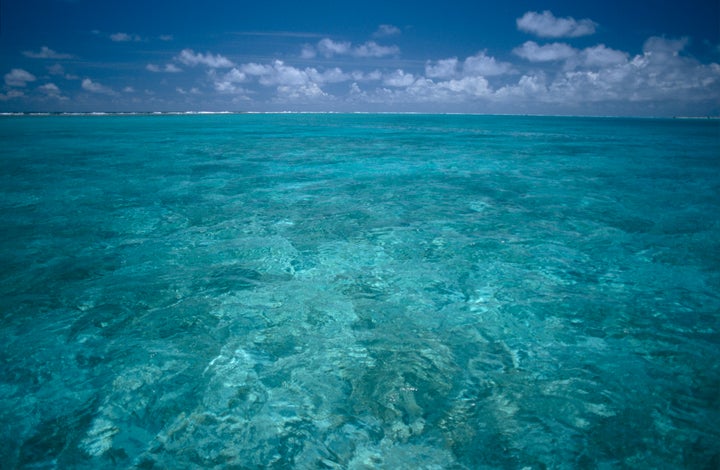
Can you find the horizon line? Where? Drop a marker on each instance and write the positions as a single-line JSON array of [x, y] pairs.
[[161, 113]]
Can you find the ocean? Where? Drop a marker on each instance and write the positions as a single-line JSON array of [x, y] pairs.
[[356, 291]]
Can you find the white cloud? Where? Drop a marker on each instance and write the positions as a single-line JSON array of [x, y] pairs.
[[529, 86], [399, 78], [474, 86], [291, 82], [482, 64], [47, 53], [334, 75], [308, 52], [95, 87], [373, 49], [328, 48], [444, 68], [357, 93], [169, 68], [310, 90], [602, 56], [227, 83], [422, 90], [285, 75], [128, 89], [19, 78], [385, 30], [281, 74], [660, 79], [663, 46], [50, 89], [190, 58], [662, 71], [255, 69], [235, 76], [125, 37], [591, 80], [166, 37], [406, 89], [228, 87], [545, 53], [360, 76], [546, 25]]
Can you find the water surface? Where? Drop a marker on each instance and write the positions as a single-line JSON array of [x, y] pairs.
[[359, 291]]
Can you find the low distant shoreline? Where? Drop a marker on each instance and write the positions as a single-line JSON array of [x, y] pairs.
[[195, 113]]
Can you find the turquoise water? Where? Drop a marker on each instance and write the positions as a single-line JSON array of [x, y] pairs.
[[359, 291]]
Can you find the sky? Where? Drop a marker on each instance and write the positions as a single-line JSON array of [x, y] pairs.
[[596, 57]]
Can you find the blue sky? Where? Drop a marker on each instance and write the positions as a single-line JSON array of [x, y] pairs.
[[600, 57]]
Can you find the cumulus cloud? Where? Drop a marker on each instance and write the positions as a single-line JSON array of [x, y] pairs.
[[546, 25], [168, 68], [373, 75], [284, 75], [660, 77], [52, 91], [190, 58], [49, 89], [333, 75], [290, 82], [479, 64], [403, 87], [18, 78], [227, 83], [534, 52], [532, 86], [373, 49], [602, 56], [444, 68], [46, 53], [301, 92], [385, 30], [95, 87], [474, 86], [595, 79], [665, 47], [329, 48], [482, 64], [662, 71], [399, 78]]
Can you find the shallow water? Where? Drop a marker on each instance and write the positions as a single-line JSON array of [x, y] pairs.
[[359, 291]]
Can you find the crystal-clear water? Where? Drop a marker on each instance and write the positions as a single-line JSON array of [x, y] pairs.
[[359, 291]]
